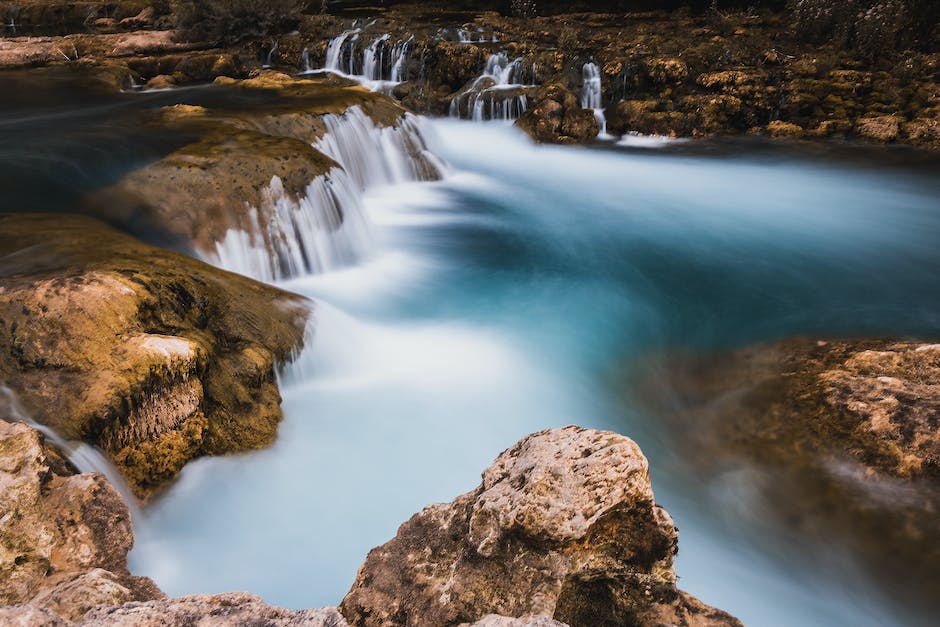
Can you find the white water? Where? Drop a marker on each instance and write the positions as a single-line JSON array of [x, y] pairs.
[[379, 66], [592, 96], [327, 228], [494, 95], [500, 301]]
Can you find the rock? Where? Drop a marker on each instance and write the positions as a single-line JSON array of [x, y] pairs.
[[563, 526], [152, 356], [161, 81], [883, 129], [666, 71], [64, 538], [244, 163], [840, 440], [31, 616], [778, 129], [557, 117], [221, 610], [494, 620]]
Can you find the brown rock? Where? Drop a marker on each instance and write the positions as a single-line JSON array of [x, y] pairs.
[[778, 129], [668, 70], [563, 526], [161, 81], [557, 117], [151, 355], [841, 439], [221, 610], [882, 129], [65, 537]]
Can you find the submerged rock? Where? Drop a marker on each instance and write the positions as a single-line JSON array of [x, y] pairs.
[[64, 537], [563, 526], [839, 439], [152, 356]]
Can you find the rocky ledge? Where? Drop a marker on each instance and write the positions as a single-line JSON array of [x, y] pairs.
[[562, 531], [152, 356], [841, 437]]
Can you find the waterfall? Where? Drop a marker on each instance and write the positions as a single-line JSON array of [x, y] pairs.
[[326, 227], [497, 94], [305, 61], [379, 62], [375, 156], [84, 456], [591, 95], [334, 51], [269, 60]]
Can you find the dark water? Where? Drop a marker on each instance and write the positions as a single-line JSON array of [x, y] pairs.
[[518, 294]]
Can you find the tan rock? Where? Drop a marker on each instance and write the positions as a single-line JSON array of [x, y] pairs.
[[151, 355], [882, 129], [557, 117], [563, 526], [64, 537], [778, 129]]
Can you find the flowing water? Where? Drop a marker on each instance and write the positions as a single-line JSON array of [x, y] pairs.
[[512, 296]]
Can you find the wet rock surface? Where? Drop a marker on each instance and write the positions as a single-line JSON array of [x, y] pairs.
[[840, 437], [564, 526], [64, 537], [150, 355]]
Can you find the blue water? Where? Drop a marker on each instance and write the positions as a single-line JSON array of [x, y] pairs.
[[511, 297]]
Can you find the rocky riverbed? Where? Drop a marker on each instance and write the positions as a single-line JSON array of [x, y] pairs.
[[563, 530]]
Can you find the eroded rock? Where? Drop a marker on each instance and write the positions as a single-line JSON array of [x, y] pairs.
[[563, 526], [152, 356], [557, 117], [64, 537]]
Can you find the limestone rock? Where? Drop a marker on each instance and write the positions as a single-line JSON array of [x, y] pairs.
[[563, 526], [556, 117], [64, 537], [153, 356], [882, 129], [840, 439], [221, 610]]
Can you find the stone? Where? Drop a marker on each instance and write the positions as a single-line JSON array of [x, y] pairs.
[[152, 356], [556, 117], [778, 129], [883, 129], [64, 536], [563, 527], [221, 610]]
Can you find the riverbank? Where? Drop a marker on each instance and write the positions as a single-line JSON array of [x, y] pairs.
[[675, 74]]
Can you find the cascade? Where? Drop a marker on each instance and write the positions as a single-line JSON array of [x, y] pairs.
[[269, 60], [327, 227], [305, 61], [591, 95], [379, 62], [497, 94]]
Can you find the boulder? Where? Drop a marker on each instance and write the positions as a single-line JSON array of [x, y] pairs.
[[563, 527], [64, 536], [557, 117], [152, 356], [840, 440]]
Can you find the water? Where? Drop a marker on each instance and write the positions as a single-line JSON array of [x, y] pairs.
[[592, 96], [497, 94], [511, 297]]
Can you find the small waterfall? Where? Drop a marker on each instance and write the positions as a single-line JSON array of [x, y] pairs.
[[84, 456], [334, 51], [375, 156], [497, 94], [305, 61], [327, 227], [324, 229], [591, 95], [269, 60], [379, 62], [399, 58]]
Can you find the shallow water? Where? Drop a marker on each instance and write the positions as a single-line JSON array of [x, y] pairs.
[[512, 297]]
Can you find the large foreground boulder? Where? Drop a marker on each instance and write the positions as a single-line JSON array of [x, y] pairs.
[[152, 356], [64, 537], [564, 526]]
